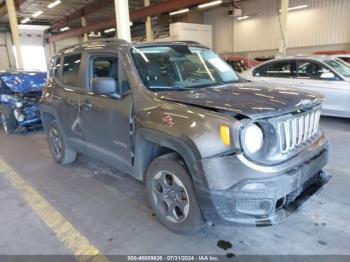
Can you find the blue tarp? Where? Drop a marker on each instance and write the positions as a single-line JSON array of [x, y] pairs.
[[24, 81]]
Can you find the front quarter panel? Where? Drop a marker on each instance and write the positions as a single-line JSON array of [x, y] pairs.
[[195, 126]]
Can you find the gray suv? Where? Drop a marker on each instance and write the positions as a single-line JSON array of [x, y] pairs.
[[208, 145]]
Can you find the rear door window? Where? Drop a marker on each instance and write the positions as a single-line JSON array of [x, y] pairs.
[[261, 71], [281, 69], [71, 66]]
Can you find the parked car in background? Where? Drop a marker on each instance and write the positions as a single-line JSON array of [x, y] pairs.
[[344, 57], [240, 64], [20, 93], [208, 145], [328, 76], [341, 54], [264, 58]]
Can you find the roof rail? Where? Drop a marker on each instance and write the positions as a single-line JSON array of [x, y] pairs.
[[82, 45]]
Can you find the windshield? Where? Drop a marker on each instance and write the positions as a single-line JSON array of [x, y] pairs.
[[339, 66], [181, 67]]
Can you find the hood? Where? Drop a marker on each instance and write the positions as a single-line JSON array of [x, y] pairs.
[[248, 99], [24, 82]]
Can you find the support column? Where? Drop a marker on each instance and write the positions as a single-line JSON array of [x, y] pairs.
[[83, 24], [283, 25], [149, 31], [123, 19], [11, 10]]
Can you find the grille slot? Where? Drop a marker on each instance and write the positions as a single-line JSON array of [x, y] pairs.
[[298, 130]]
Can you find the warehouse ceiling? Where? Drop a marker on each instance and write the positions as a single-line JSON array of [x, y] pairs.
[[59, 14], [51, 16]]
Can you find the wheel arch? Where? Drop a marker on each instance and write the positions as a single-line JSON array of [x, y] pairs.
[[156, 144], [47, 115]]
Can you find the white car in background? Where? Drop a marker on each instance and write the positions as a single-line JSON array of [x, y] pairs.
[[344, 57], [328, 76]]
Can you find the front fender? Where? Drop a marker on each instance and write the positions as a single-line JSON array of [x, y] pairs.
[[197, 127], [180, 144]]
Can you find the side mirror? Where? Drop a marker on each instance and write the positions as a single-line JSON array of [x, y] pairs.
[[104, 85], [327, 75], [125, 88]]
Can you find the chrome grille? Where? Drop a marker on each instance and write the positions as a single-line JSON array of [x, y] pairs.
[[299, 130]]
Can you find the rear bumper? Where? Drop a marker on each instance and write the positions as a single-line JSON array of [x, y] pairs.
[[263, 198]]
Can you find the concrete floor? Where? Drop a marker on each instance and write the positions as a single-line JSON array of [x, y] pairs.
[[111, 212]]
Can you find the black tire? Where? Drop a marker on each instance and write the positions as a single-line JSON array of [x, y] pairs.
[[58, 147], [8, 123], [180, 219]]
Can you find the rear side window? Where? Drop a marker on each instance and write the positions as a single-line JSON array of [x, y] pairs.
[[260, 71], [280, 69], [71, 66]]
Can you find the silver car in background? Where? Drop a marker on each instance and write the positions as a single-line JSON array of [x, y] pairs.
[[328, 76]]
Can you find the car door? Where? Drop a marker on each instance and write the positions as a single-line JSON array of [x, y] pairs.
[[106, 119], [66, 98], [315, 76]]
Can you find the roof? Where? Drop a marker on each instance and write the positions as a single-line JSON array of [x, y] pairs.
[[113, 44], [303, 57]]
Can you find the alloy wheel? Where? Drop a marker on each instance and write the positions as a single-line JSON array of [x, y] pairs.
[[55, 142], [170, 196]]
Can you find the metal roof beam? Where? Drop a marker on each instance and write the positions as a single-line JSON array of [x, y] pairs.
[[3, 8], [85, 11], [153, 10]]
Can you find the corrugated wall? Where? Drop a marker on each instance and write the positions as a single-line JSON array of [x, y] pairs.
[[324, 22]]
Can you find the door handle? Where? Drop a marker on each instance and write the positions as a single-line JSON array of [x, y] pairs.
[[86, 106]]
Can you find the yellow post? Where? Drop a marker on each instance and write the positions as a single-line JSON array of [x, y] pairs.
[[149, 31], [11, 10], [83, 24]]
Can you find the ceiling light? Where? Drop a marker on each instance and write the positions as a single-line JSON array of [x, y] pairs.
[[180, 11], [210, 4], [64, 29], [242, 17], [295, 7], [53, 4], [25, 20], [36, 14], [109, 30]]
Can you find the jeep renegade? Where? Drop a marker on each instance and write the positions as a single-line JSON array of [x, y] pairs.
[[208, 145]]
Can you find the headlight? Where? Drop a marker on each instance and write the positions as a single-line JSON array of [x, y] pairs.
[[18, 115], [18, 104], [252, 138]]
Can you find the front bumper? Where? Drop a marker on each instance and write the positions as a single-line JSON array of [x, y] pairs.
[[27, 116], [261, 197]]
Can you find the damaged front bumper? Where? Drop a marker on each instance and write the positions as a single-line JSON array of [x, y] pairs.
[[237, 193], [28, 115], [24, 113]]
